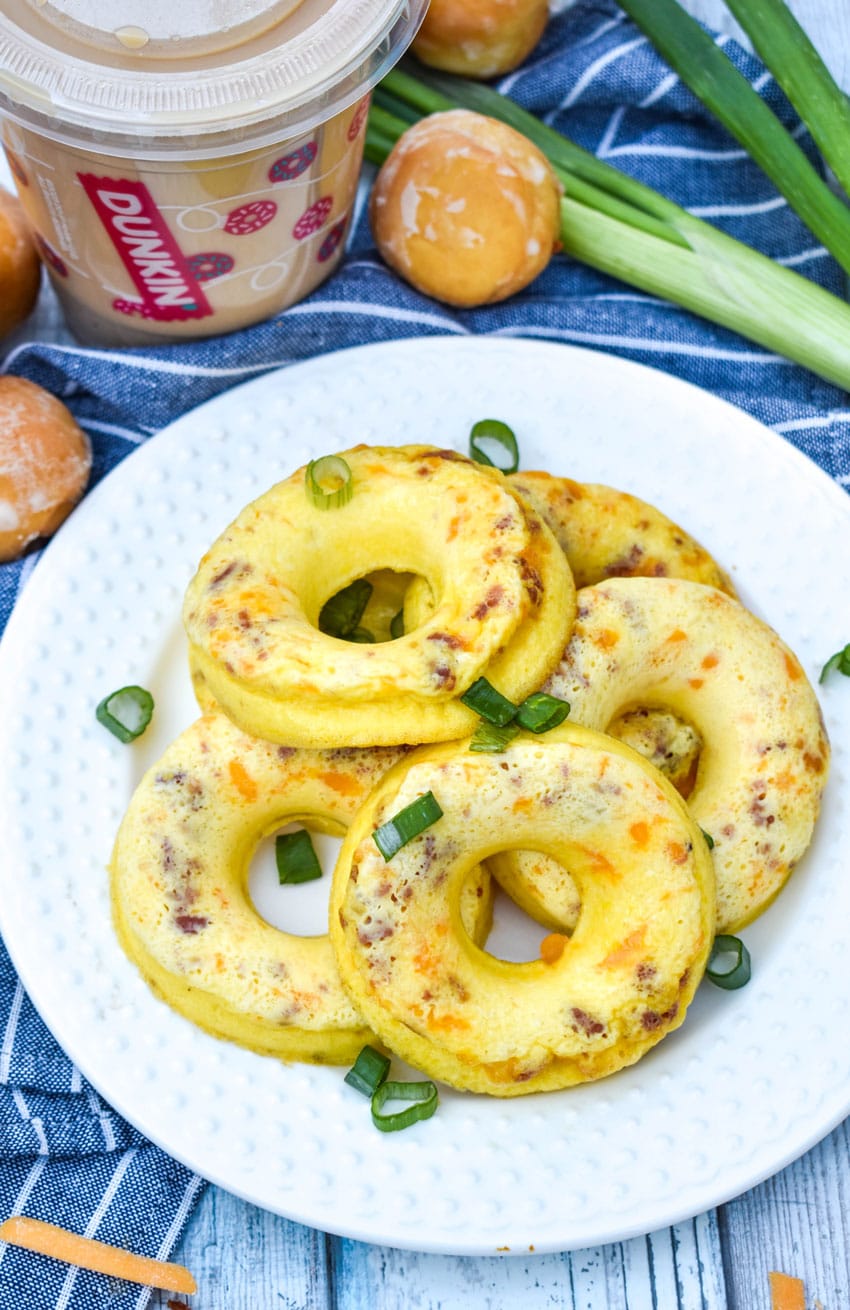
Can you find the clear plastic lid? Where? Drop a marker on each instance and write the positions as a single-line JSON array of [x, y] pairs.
[[166, 78]]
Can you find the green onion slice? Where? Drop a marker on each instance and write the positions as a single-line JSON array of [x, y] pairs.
[[840, 661], [296, 858], [540, 712], [709, 840], [328, 482], [368, 1071], [340, 616], [397, 625], [126, 712], [490, 438], [489, 703], [729, 963], [491, 739], [407, 824], [363, 635], [423, 1100]]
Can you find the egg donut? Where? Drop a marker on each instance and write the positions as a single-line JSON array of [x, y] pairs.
[[606, 533], [179, 875], [764, 760], [596, 1002], [504, 602]]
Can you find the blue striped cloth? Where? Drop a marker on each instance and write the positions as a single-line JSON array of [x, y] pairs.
[[65, 1155]]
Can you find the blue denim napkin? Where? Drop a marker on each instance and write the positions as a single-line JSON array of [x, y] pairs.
[[65, 1155]]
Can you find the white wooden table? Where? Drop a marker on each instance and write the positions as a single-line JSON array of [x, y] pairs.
[[246, 1259]]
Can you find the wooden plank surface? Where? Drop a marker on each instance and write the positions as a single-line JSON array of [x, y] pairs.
[[245, 1259]]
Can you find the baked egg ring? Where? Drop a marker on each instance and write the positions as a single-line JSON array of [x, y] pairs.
[[596, 1002], [179, 888], [606, 533], [504, 602], [764, 761]]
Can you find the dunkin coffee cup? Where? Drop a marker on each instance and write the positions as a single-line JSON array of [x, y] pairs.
[[189, 166]]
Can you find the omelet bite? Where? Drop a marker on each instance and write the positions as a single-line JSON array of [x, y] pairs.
[[504, 602], [592, 1004], [606, 533], [681, 646], [179, 888]]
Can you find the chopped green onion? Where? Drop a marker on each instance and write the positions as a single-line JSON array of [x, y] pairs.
[[423, 1100], [368, 1071], [126, 712], [729, 963], [296, 858], [784, 47], [363, 635], [707, 70], [340, 616], [493, 436], [840, 661], [491, 739], [397, 625], [407, 824], [489, 703], [709, 840], [328, 481], [540, 712]]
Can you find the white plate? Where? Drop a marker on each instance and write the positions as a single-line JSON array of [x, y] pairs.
[[750, 1081]]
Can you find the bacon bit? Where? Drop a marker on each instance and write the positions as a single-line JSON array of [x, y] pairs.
[[191, 923], [99, 1257], [552, 947], [592, 1027], [242, 780], [493, 597], [786, 1293], [639, 833], [815, 763], [449, 639], [340, 782], [651, 1020], [631, 947], [678, 635], [711, 661], [225, 573]]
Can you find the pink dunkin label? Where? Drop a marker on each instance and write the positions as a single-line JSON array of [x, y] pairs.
[[160, 271]]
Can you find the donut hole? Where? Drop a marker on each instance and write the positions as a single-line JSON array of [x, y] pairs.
[[372, 607], [297, 908], [515, 936], [664, 738]]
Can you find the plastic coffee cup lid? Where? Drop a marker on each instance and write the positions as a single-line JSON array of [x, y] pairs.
[[172, 78]]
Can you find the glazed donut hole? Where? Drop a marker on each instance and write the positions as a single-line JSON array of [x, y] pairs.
[[466, 209], [480, 38], [20, 266], [45, 463]]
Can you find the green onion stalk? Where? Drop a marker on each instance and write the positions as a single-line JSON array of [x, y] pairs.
[[707, 70], [797, 67], [622, 227]]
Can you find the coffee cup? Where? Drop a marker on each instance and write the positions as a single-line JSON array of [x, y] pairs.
[[190, 168]]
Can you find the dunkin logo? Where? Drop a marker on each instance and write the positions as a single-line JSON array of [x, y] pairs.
[[156, 264]]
